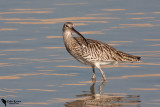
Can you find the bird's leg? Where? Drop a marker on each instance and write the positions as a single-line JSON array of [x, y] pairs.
[[101, 86], [94, 75], [92, 88], [103, 74]]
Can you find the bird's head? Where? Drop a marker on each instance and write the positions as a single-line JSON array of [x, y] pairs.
[[70, 26]]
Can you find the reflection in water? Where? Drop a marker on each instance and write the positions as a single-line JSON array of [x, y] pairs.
[[18, 50], [20, 12], [104, 100], [140, 18], [83, 3], [135, 13], [138, 25], [152, 39], [7, 29], [113, 9], [9, 41], [78, 20]]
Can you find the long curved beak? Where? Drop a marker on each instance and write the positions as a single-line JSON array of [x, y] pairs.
[[80, 35]]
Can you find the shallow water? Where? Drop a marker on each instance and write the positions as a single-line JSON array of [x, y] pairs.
[[36, 69]]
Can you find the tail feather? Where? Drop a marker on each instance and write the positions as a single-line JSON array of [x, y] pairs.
[[139, 58], [128, 57]]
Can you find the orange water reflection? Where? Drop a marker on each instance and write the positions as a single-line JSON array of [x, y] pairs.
[[9, 41], [36, 103], [24, 11], [97, 14], [5, 64], [32, 9], [121, 41], [54, 37], [46, 70], [18, 50], [78, 20], [155, 45], [145, 52], [156, 12], [140, 18], [135, 13], [20, 12], [113, 9], [92, 32], [19, 76], [138, 25], [152, 39], [30, 39], [135, 76], [17, 90], [7, 29], [74, 84], [83, 3], [53, 47], [145, 89]]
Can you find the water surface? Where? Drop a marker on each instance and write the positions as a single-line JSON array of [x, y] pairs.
[[36, 69]]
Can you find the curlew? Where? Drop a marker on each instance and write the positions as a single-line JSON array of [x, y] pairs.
[[93, 52]]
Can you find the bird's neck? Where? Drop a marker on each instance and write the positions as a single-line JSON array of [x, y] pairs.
[[67, 37]]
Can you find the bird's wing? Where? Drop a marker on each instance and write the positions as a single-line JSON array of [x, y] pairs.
[[102, 51]]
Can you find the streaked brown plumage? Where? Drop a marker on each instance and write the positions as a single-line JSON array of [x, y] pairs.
[[92, 52]]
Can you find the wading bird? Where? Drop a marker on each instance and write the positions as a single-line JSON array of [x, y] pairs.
[[92, 52]]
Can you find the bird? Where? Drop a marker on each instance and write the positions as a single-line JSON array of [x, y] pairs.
[[91, 52], [4, 101]]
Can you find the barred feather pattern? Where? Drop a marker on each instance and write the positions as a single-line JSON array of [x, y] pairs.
[[97, 51]]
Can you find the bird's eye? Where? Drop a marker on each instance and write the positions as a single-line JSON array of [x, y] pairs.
[[66, 26]]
